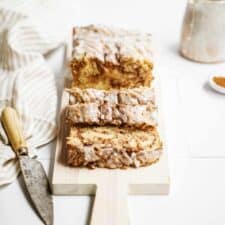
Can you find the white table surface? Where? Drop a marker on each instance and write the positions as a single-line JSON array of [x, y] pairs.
[[194, 121]]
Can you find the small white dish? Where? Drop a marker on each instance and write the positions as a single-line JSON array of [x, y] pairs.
[[215, 86]]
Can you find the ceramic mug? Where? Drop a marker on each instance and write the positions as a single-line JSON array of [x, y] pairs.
[[203, 31]]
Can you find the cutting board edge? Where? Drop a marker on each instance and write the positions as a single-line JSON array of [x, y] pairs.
[[90, 189]]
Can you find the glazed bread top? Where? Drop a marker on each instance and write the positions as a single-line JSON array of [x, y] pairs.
[[112, 45]]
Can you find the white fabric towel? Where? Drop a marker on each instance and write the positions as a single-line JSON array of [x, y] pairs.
[[26, 83]]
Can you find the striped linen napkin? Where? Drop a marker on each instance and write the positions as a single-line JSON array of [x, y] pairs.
[[26, 83]]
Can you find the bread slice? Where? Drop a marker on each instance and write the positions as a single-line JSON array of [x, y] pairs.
[[112, 147], [130, 107]]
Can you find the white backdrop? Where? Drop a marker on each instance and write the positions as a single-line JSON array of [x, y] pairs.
[[194, 120]]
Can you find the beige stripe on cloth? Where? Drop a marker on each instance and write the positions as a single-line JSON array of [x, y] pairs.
[[27, 84]]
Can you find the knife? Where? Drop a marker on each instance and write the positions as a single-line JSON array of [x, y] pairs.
[[33, 173]]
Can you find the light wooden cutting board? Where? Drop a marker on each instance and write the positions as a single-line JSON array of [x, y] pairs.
[[110, 187]]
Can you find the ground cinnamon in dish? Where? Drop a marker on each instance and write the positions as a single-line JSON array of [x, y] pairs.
[[219, 81]]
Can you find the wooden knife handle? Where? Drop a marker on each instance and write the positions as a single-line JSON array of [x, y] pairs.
[[12, 125]]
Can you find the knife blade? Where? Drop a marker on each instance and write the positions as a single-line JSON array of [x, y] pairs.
[[33, 173]]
